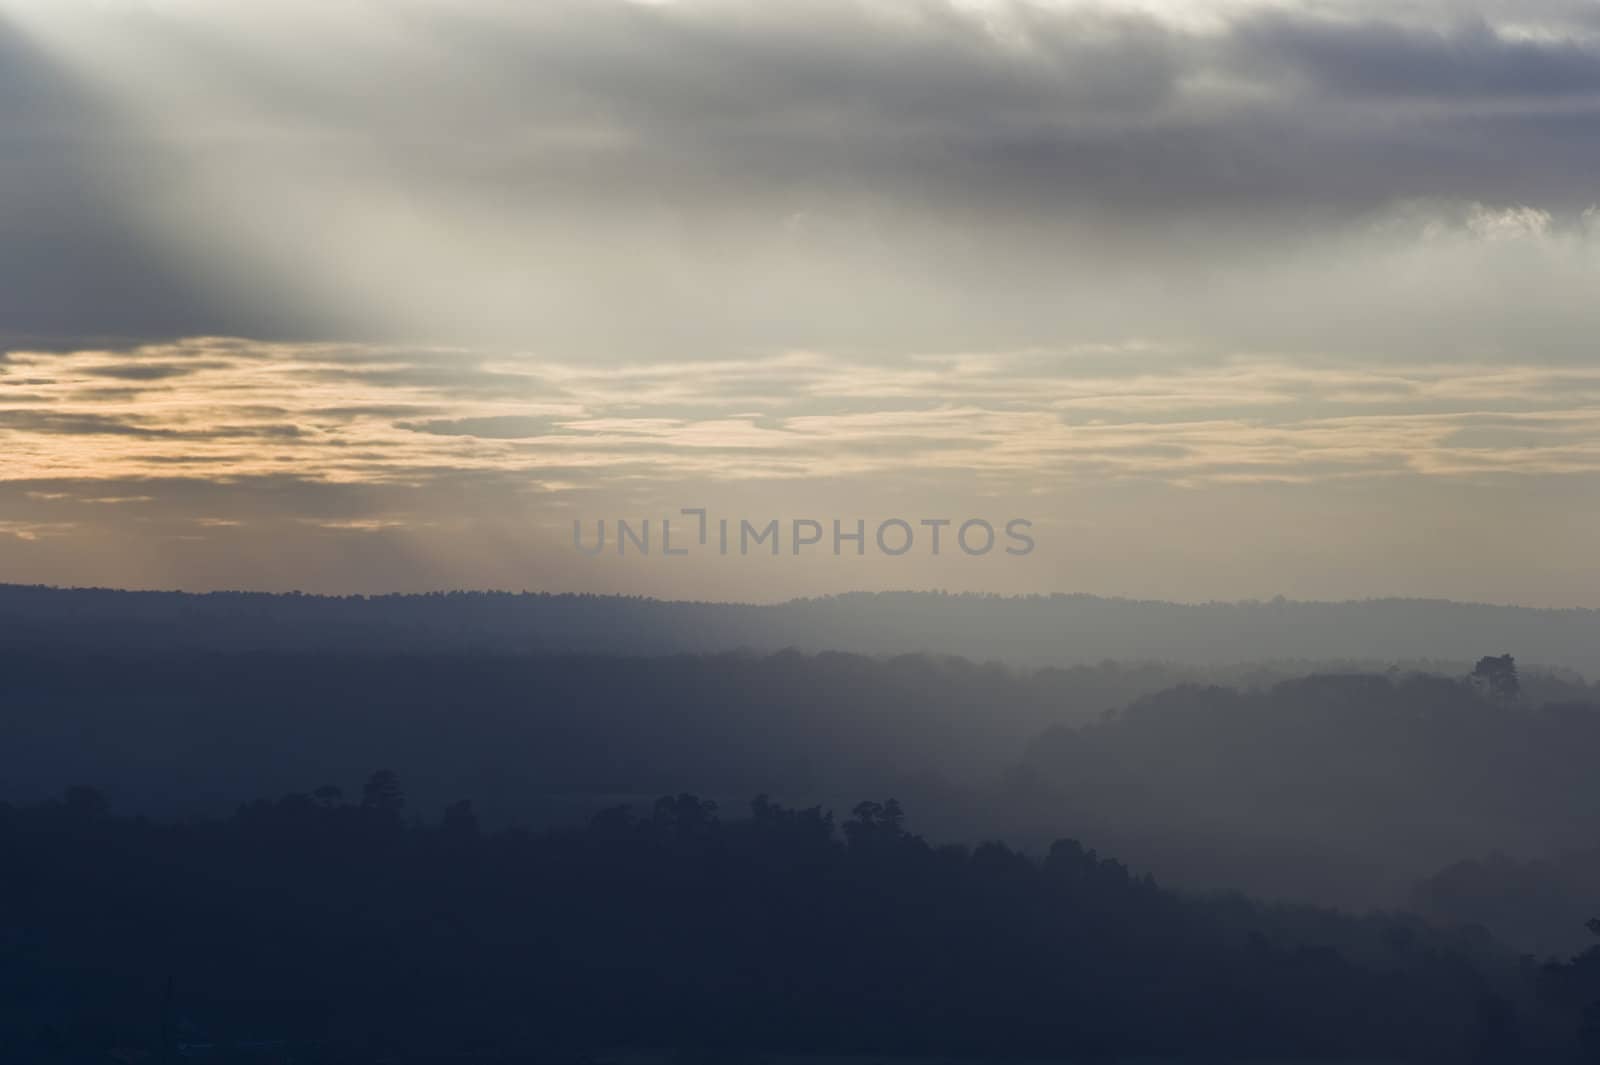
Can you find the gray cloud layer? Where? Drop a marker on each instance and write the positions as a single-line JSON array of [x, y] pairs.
[[628, 181]]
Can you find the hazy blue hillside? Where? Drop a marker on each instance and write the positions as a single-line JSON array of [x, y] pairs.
[[1038, 630]]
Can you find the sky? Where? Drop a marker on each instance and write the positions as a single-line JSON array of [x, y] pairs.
[[1226, 300]]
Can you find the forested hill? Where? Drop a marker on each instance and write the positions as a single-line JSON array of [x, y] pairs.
[[333, 931], [1035, 630]]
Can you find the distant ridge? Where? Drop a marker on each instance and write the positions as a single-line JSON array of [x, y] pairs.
[[1061, 629]]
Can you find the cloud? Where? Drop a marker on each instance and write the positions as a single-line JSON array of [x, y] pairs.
[[1465, 62], [23, 530], [499, 427], [1034, 416], [79, 424], [448, 273], [618, 182], [151, 371]]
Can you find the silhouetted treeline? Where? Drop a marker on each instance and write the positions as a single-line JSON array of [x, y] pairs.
[[347, 929], [1034, 630], [1574, 987], [1341, 789]]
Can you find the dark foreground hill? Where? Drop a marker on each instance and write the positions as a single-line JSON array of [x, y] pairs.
[[1039, 630], [318, 930]]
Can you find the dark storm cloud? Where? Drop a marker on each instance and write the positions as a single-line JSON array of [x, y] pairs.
[[1062, 106], [627, 181], [1370, 58], [730, 108]]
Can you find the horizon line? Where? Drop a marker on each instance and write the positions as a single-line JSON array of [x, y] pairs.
[[1279, 600]]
